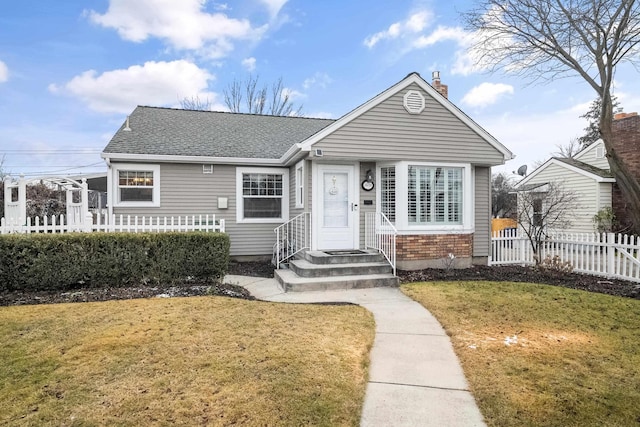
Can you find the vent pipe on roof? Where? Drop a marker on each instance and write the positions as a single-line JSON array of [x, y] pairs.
[[126, 125]]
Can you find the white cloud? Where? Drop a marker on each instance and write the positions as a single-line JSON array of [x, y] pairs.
[[154, 83], [221, 6], [415, 23], [4, 72], [292, 94], [182, 24], [533, 137], [442, 33], [486, 94], [249, 64], [319, 79], [274, 6], [321, 115]]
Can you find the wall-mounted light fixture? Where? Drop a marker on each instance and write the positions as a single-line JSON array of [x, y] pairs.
[[368, 184]]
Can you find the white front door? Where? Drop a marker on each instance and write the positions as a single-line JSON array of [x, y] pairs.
[[336, 207]]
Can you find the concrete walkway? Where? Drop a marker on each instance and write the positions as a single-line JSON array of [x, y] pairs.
[[415, 378]]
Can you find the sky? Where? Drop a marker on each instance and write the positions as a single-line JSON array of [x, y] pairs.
[[71, 71]]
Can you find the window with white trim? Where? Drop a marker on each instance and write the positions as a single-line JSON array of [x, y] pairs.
[[262, 194], [388, 192], [136, 185], [434, 195], [300, 185]]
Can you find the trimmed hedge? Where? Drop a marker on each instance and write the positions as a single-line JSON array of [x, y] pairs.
[[42, 262]]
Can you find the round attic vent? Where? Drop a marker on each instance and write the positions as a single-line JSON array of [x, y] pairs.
[[414, 102]]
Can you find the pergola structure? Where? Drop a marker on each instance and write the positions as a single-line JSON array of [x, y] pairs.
[[77, 212]]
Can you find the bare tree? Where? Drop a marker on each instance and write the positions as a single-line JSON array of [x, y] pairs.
[[246, 96], [548, 39], [568, 150], [195, 103], [542, 210], [592, 131], [503, 197]]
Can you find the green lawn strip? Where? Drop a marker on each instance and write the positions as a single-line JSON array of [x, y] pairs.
[[572, 359], [183, 361]]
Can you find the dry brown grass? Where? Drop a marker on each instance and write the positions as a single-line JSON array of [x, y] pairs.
[[538, 355], [183, 361]]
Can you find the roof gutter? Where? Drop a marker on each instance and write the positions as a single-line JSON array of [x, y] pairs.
[[293, 154], [162, 158]]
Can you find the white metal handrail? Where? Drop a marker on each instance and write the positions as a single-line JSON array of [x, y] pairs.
[[292, 237], [380, 234]]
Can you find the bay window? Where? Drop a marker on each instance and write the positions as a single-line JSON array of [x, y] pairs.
[[434, 195], [426, 197], [388, 192]]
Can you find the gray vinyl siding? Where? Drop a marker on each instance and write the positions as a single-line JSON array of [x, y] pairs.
[[481, 235], [585, 189], [588, 156], [388, 132], [309, 186], [365, 195], [605, 193], [293, 211], [185, 190]]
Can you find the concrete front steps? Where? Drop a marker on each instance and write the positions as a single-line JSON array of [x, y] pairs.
[[320, 271]]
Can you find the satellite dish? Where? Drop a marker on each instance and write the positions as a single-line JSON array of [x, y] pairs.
[[522, 170]]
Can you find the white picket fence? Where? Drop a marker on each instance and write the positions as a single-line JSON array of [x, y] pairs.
[[607, 254], [114, 223]]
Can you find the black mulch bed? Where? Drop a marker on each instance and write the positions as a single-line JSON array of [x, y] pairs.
[[517, 273], [584, 282], [119, 293]]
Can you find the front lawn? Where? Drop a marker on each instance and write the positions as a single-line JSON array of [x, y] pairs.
[[183, 361], [542, 355]]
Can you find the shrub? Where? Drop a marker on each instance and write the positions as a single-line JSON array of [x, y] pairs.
[[555, 265], [64, 261], [604, 221]]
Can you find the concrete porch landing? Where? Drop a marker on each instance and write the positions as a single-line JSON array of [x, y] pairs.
[[320, 271], [415, 378]]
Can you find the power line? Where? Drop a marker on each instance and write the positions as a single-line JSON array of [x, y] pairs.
[[51, 152], [63, 170]]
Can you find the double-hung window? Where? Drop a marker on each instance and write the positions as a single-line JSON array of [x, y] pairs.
[[262, 194], [434, 195], [136, 185]]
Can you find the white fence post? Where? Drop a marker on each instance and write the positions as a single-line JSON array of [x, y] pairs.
[[611, 254]]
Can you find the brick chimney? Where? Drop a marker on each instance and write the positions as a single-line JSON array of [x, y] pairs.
[[626, 142], [443, 89]]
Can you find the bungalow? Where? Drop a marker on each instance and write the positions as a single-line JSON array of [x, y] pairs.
[[408, 153]]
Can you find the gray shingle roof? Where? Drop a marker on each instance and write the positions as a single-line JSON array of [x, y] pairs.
[[167, 131], [603, 173], [529, 187]]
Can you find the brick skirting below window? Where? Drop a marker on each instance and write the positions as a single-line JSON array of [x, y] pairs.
[[433, 246]]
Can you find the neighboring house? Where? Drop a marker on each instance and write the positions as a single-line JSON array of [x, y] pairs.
[[588, 175], [407, 152]]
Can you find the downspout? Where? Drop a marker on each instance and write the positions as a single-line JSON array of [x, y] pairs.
[[110, 188]]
